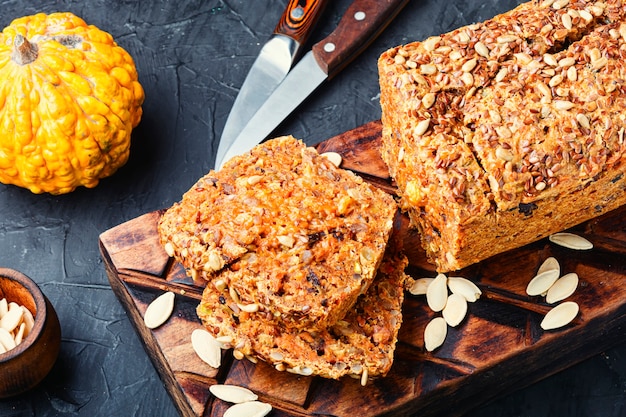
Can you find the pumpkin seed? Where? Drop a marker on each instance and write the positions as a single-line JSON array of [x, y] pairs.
[[550, 264], [560, 316], [435, 333], [562, 288], [249, 409], [570, 241], [29, 321], [4, 307], [437, 293], [12, 318], [6, 339], [455, 309], [420, 286], [333, 157], [19, 335], [542, 282], [464, 287], [206, 347], [233, 393], [159, 310]]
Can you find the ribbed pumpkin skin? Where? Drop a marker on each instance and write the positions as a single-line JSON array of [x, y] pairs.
[[68, 103]]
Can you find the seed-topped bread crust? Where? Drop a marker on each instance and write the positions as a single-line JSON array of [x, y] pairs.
[[503, 132], [363, 342], [285, 230]]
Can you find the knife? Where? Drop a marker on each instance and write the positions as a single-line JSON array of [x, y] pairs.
[[272, 65], [360, 25]]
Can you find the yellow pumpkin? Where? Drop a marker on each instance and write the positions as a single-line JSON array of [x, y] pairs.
[[69, 99]]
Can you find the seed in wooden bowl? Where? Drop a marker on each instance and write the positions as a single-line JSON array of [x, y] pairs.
[[562, 288], [560, 316], [16, 322], [542, 282], [206, 347], [435, 333], [570, 241], [12, 318], [249, 409], [455, 309], [233, 393], [6, 339], [464, 287], [437, 293], [159, 310], [420, 285]]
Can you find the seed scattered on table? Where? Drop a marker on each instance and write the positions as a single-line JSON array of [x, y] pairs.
[[542, 282], [437, 293]]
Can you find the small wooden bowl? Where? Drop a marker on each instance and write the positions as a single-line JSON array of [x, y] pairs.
[[26, 365]]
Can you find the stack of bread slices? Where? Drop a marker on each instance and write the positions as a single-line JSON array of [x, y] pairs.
[[298, 261]]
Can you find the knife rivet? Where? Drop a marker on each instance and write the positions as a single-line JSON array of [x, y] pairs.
[[359, 16], [329, 47], [297, 13]]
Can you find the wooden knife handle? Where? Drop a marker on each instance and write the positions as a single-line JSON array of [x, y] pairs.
[[299, 19], [360, 25]]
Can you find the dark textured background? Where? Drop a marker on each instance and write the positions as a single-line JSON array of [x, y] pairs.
[[192, 57]]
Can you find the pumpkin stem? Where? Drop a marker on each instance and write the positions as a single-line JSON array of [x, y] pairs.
[[24, 52]]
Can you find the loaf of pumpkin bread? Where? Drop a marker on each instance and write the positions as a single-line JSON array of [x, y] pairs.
[[287, 232], [503, 132]]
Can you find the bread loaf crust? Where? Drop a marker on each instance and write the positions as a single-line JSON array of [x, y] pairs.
[[503, 132]]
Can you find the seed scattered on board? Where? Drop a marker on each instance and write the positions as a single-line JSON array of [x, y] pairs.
[[571, 241], [560, 315], [207, 347], [245, 402], [548, 283], [159, 310], [333, 157]]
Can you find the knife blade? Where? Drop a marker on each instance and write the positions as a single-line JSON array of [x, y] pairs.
[[272, 65], [363, 21]]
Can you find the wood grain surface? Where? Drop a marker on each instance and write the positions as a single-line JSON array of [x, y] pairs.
[[498, 348]]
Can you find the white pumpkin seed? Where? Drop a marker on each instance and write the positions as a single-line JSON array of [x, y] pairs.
[[333, 157], [435, 333], [206, 347], [455, 310], [464, 287], [12, 318], [29, 321], [550, 264], [420, 286], [437, 293], [542, 282], [4, 307], [6, 339], [19, 335], [233, 393], [562, 288], [560, 316], [249, 409], [159, 310], [571, 241]]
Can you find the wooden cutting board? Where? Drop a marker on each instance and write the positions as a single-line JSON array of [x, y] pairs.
[[498, 348]]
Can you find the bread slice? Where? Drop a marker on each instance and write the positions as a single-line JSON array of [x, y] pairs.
[[285, 230], [362, 343], [503, 132]]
